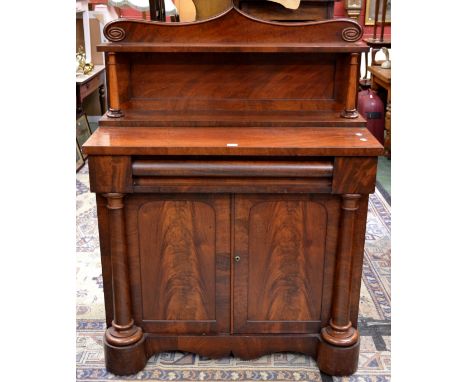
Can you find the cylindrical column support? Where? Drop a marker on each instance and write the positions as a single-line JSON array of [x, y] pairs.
[[350, 110], [340, 332], [114, 101], [123, 332]]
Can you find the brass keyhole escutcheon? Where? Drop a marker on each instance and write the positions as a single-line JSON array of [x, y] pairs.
[[237, 259]]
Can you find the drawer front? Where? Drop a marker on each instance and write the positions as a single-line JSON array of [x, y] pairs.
[[339, 175], [92, 85], [233, 176]]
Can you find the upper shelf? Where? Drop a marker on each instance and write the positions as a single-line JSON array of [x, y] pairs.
[[233, 31]]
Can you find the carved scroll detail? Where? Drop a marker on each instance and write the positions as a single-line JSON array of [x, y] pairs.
[[351, 34], [115, 34]]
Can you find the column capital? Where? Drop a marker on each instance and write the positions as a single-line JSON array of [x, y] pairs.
[[114, 200]]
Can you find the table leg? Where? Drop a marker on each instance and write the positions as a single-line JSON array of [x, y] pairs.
[[79, 102], [102, 99]]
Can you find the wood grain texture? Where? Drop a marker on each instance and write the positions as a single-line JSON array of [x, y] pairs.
[[179, 256], [350, 110], [236, 113], [104, 246], [110, 174], [251, 141], [122, 331], [281, 243], [234, 27], [285, 260], [232, 185], [197, 76], [232, 144], [177, 251], [354, 175], [340, 331], [113, 87], [242, 346], [235, 169]]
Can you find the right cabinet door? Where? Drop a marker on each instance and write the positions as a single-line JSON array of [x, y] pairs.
[[284, 251]]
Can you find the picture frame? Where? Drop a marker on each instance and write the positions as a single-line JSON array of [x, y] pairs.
[[79, 157], [83, 131], [370, 12]]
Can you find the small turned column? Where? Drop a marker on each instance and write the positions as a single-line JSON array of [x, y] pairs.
[[114, 101], [350, 110], [340, 331], [102, 99], [123, 332]]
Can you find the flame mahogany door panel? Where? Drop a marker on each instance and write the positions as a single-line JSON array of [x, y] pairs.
[[285, 246], [179, 251]]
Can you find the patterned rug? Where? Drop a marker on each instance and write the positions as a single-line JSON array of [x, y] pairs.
[[374, 319]]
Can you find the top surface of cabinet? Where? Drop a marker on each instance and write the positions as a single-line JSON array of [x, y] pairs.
[[233, 141]]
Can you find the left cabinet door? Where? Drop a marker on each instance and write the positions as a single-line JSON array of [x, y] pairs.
[[179, 260]]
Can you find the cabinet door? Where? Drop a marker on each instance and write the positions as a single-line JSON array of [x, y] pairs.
[[284, 247], [179, 250]]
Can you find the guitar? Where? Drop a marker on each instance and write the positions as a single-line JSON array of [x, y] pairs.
[[187, 10]]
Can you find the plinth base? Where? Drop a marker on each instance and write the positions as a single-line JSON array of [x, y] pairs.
[[125, 360], [337, 360]]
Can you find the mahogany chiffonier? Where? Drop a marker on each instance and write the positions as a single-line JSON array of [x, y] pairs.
[[232, 175]]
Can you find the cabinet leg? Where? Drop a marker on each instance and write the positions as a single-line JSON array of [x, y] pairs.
[[125, 360], [339, 347], [337, 360], [124, 341]]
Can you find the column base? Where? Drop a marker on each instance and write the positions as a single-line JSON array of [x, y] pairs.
[[351, 114], [114, 113], [337, 360], [125, 360]]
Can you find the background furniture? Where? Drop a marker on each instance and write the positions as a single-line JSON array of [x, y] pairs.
[[381, 79], [232, 183], [308, 10], [88, 84]]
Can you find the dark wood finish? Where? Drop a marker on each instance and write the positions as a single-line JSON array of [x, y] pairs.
[[280, 248], [242, 346], [147, 116], [354, 175], [382, 78], [350, 110], [114, 98], [224, 168], [94, 82], [122, 332], [110, 174], [340, 331], [237, 185], [104, 242], [299, 141], [231, 27], [179, 254], [232, 183], [335, 360]]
